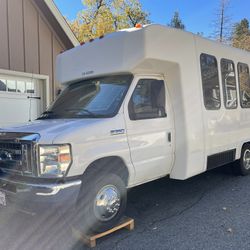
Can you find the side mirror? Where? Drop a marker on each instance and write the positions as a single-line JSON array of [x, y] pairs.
[[162, 112], [59, 91]]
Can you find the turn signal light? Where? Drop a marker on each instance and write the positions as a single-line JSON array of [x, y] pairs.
[[64, 158]]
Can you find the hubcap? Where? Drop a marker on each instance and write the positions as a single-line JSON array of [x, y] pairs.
[[246, 159], [107, 203]]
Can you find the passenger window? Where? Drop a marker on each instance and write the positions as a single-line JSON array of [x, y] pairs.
[[244, 82], [229, 84], [148, 100], [3, 85], [210, 82]]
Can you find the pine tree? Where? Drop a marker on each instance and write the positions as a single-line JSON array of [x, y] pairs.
[[241, 28], [176, 22]]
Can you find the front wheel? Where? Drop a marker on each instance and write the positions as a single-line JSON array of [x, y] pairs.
[[102, 202]]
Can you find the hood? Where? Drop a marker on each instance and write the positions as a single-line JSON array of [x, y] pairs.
[[68, 130], [50, 129]]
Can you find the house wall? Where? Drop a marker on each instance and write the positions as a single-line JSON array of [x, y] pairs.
[[28, 43]]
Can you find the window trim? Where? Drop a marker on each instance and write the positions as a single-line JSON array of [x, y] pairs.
[[202, 82], [224, 87], [131, 96], [238, 73]]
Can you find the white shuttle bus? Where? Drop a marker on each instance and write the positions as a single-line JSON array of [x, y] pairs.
[[136, 105]]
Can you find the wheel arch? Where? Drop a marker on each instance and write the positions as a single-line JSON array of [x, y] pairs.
[[109, 164], [241, 148]]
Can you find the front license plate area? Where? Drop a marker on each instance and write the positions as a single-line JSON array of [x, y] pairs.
[[2, 199]]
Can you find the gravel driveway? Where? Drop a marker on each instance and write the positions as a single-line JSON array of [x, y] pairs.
[[210, 211]]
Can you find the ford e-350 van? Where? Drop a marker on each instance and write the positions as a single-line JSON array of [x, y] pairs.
[[136, 105]]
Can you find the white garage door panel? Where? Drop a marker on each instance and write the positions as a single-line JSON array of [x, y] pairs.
[[21, 100], [14, 111]]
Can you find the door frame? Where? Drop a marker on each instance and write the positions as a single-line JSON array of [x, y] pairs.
[[169, 111]]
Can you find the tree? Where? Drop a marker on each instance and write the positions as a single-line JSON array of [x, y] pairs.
[[100, 17], [222, 23], [241, 28], [176, 22], [241, 35]]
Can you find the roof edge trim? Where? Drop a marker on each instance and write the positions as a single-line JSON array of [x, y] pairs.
[[61, 20]]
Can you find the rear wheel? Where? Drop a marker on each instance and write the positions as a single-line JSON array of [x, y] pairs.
[[102, 202], [242, 167]]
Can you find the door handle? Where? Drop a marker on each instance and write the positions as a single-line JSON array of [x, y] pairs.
[[169, 137], [34, 97]]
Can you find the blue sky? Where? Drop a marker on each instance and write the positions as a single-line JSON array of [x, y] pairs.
[[197, 15]]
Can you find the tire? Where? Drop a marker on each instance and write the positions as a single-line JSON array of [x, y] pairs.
[[242, 167], [102, 202]]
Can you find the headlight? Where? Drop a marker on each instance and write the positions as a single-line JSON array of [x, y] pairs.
[[54, 160]]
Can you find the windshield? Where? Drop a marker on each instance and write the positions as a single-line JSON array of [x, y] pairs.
[[93, 98]]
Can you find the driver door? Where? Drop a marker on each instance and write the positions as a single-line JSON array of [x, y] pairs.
[[149, 128]]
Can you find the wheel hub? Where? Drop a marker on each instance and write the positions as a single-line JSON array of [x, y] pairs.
[[107, 203]]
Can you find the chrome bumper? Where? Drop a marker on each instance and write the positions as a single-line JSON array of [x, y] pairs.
[[32, 197]]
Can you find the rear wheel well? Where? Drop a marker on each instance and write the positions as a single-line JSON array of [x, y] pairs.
[[244, 144], [111, 164]]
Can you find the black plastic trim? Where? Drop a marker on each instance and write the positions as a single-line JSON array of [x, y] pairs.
[[220, 159]]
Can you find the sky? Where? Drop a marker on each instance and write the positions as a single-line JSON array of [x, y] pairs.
[[197, 15]]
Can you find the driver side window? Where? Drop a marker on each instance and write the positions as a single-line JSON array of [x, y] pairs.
[[148, 100]]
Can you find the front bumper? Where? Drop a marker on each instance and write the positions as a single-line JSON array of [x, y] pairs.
[[34, 198]]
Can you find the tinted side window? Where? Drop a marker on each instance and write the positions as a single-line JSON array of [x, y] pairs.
[[244, 82], [229, 84], [210, 82], [148, 100]]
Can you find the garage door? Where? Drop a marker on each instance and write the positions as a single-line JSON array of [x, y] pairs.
[[21, 100]]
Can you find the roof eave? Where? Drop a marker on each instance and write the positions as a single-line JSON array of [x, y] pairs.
[[61, 20]]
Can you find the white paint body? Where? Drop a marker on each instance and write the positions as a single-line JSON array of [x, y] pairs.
[[151, 52]]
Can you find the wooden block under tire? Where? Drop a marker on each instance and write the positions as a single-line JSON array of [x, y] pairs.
[[90, 240]]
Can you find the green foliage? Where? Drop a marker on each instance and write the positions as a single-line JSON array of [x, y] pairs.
[[100, 17], [241, 35], [241, 28], [176, 22]]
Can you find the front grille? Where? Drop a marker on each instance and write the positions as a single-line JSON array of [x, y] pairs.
[[16, 157]]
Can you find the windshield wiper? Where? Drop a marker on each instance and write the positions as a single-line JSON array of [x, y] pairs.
[[46, 115], [83, 110], [47, 112]]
